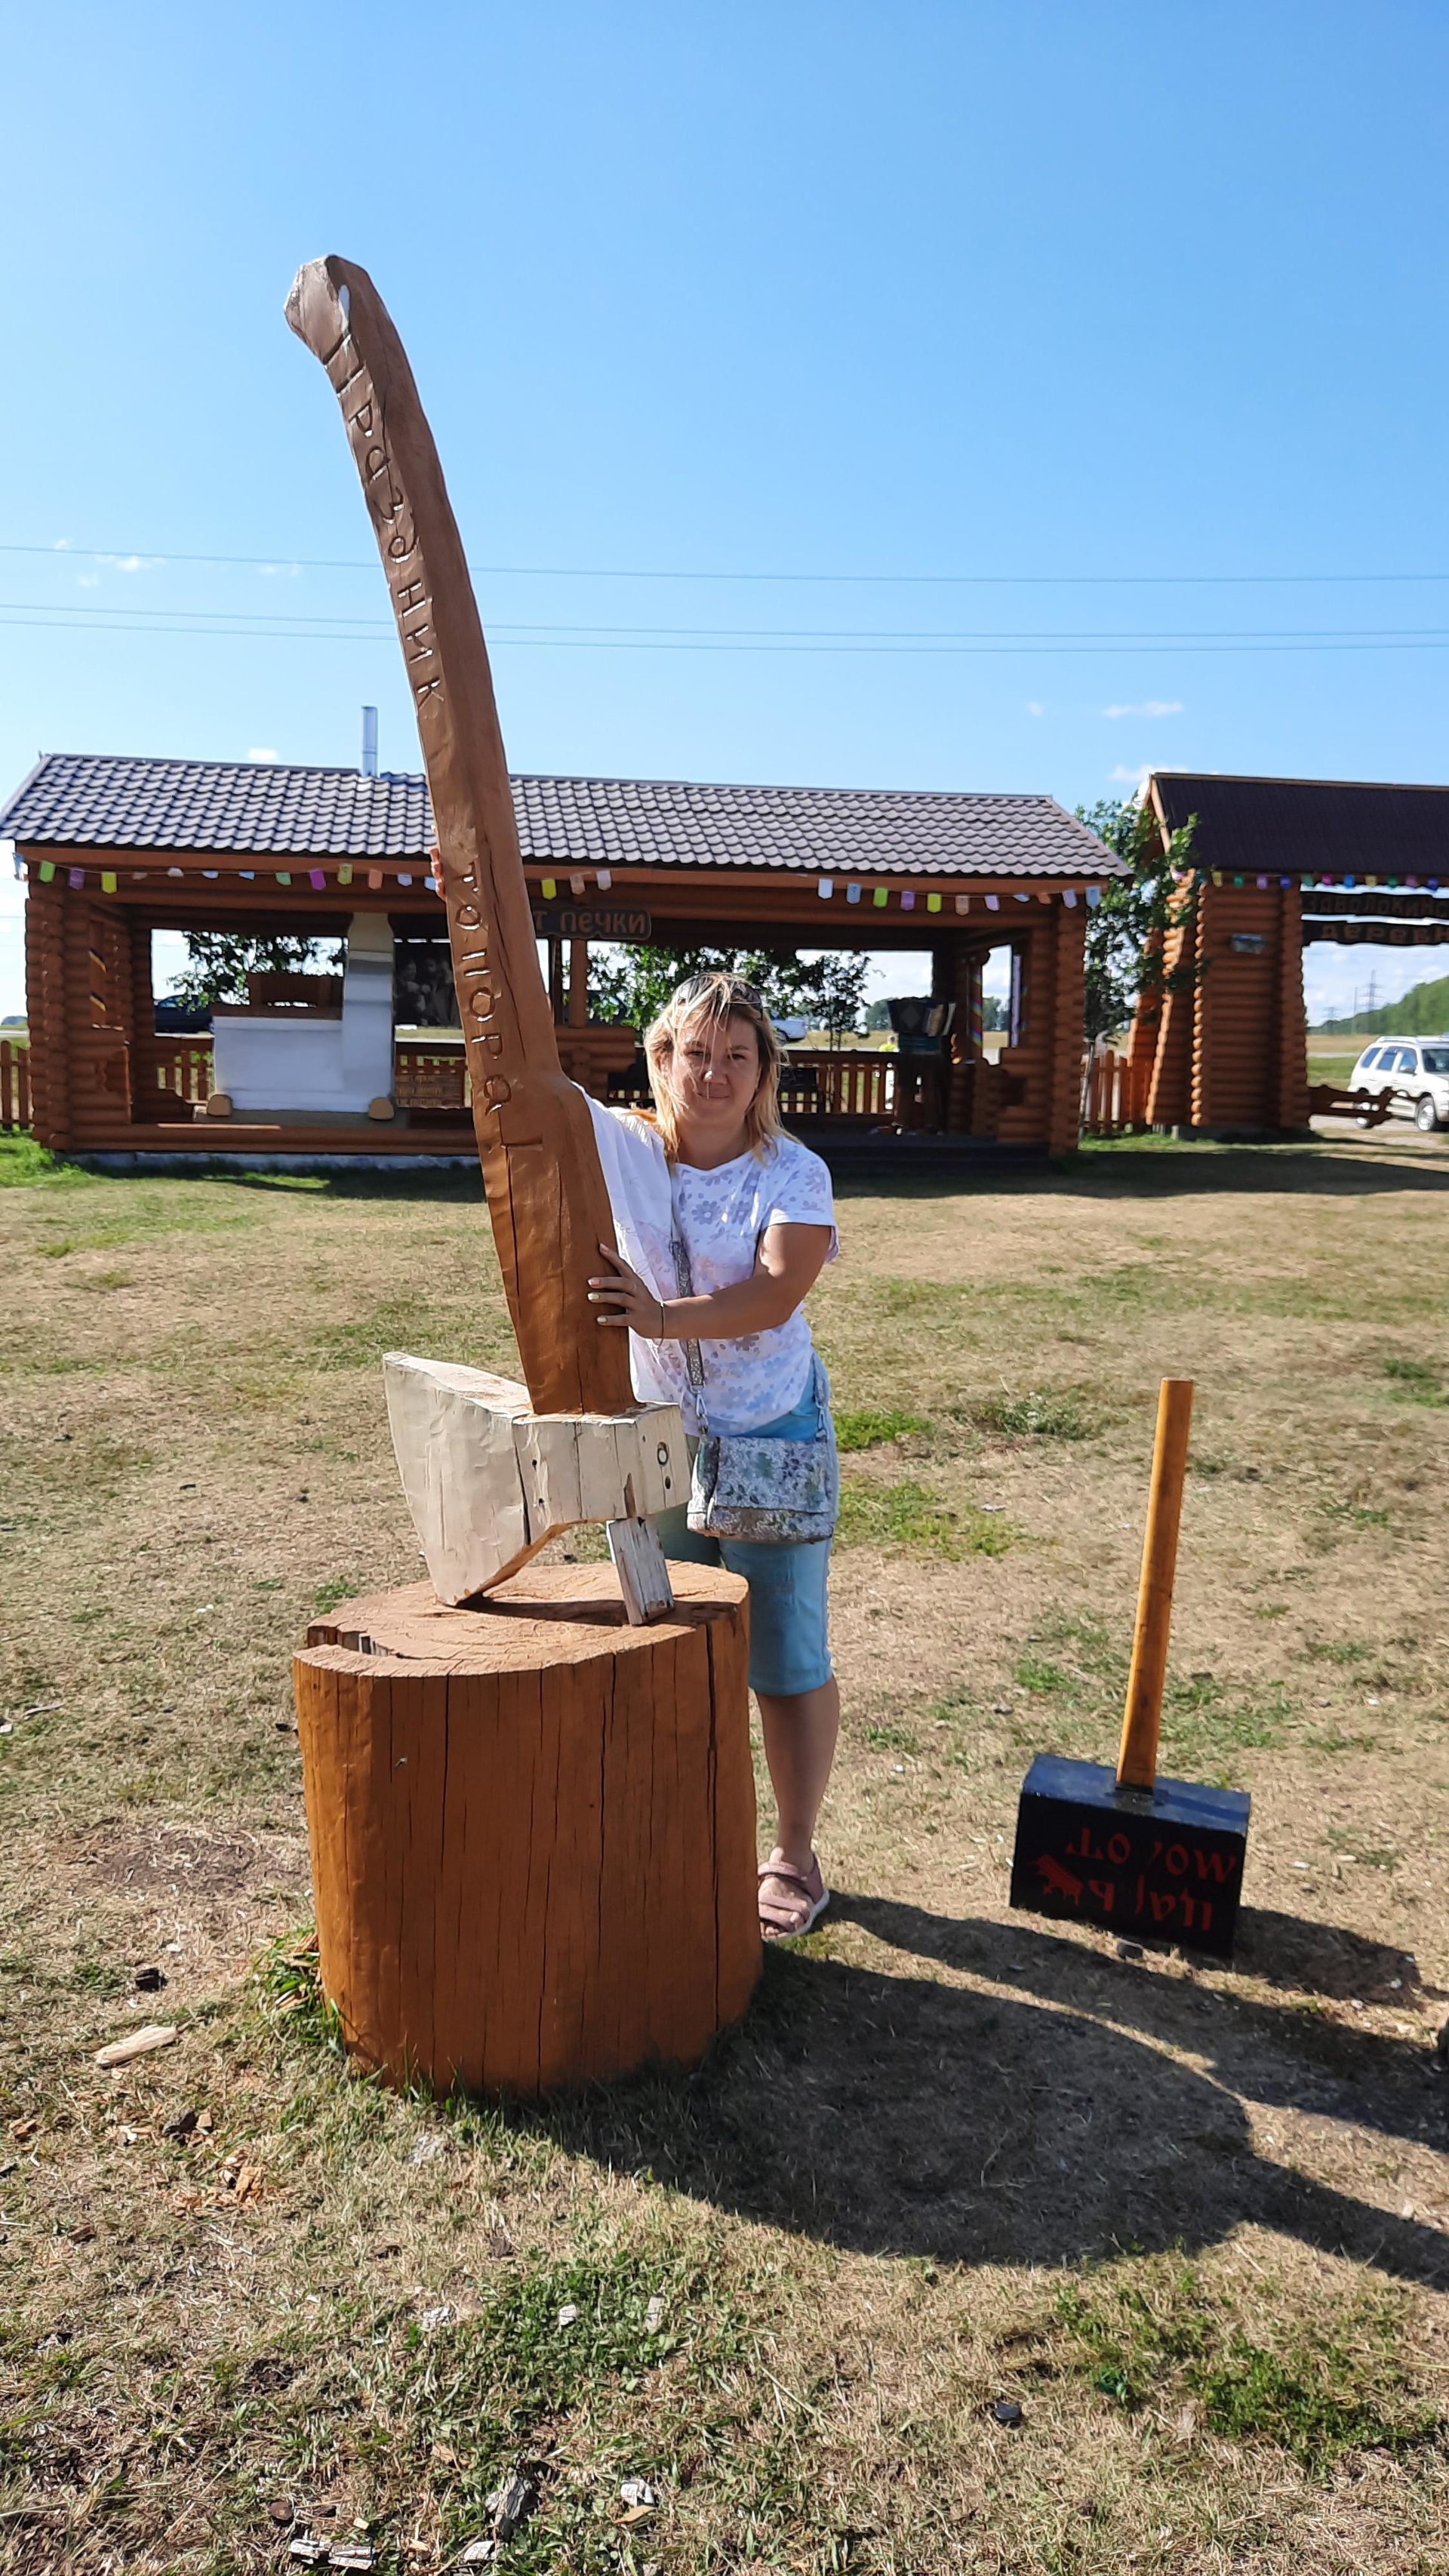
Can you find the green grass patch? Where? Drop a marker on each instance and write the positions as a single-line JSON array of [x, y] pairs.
[[23, 1164], [338, 1587], [1158, 2338], [1039, 1415], [1415, 1381], [867, 1429], [908, 1516]]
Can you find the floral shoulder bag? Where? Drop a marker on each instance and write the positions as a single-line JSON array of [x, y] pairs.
[[752, 1484]]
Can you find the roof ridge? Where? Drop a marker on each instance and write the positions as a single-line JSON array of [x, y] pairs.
[[1268, 778]]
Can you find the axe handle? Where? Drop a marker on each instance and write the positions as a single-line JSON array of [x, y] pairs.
[[1142, 1723]]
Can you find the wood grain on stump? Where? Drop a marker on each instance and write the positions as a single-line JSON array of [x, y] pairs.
[[532, 1827]]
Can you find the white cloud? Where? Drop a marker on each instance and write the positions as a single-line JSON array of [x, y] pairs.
[[263, 751], [1149, 707], [282, 572], [1131, 777], [131, 563], [1034, 707], [88, 581], [62, 545]]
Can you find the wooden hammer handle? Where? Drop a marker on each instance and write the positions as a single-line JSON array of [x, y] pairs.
[[1142, 1723]]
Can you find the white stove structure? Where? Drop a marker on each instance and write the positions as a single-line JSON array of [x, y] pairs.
[[312, 1059]]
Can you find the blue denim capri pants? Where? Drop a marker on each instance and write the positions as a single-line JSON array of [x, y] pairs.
[[789, 1640]]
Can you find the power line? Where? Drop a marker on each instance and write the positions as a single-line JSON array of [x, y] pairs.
[[161, 622], [320, 623], [140, 558]]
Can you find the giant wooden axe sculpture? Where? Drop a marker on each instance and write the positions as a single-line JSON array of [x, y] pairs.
[[492, 1470]]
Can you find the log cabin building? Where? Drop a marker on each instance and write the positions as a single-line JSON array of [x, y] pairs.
[[116, 849], [1278, 863]]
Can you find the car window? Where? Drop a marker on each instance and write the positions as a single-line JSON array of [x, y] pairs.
[[1368, 1060], [1408, 1060], [1436, 1059]]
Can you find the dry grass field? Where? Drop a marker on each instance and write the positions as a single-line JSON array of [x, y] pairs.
[[1191, 2221]]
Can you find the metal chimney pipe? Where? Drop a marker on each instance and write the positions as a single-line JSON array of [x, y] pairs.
[[369, 742]]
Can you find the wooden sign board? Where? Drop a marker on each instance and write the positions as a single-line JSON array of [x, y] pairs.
[[592, 921], [1159, 1864]]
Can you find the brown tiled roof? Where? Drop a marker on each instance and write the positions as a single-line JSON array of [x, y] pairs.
[[84, 800], [1308, 826]]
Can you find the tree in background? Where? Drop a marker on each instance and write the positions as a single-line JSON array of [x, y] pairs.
[[218, 963], [1126, 932], [632, 985]]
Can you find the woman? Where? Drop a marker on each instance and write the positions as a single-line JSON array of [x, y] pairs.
[[725, 1224]]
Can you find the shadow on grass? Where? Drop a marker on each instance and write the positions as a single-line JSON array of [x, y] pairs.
[[897, 2114], [1146, 1168]]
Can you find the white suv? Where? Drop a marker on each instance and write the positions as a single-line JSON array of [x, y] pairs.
[[1416, 1070]]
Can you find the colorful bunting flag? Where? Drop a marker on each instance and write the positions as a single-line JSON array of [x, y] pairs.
[[550, 889], [316, 878], [933, 903], [344, 873], [47, 870], [108, 880], [604, 880], [880, 898]]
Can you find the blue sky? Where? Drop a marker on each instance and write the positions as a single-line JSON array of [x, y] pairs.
[[1045, 347]]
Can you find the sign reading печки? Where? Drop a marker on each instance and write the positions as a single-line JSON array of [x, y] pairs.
[[591, 921]]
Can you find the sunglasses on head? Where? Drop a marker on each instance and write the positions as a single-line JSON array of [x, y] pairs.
[[697, 987]]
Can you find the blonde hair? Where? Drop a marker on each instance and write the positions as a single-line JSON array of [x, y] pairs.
[[716, 998]]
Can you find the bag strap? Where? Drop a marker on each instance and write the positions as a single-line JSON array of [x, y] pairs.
[[684, 1280]]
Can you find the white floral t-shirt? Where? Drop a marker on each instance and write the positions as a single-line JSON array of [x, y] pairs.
[[722, 1216]]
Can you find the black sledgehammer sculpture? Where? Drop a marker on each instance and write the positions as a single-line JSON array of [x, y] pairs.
[[1125, 1850]]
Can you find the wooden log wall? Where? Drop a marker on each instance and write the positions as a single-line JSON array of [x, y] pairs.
[[145, 1061], [1169, 1099], [1231, 1049], [1236, 1051], [1048, 1058], [1292, 1015], [98, 1004], [50, 1086], [1068, 932]]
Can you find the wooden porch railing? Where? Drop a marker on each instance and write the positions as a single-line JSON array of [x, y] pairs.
[[431, 1075], [839, 1082], [427, 1075], [183, 1069], [1114, 1094], [14, 1086]]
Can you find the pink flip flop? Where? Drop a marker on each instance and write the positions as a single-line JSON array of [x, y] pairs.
[[779, 1919]]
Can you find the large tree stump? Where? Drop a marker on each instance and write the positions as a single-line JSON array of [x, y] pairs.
[[532, 1827]]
